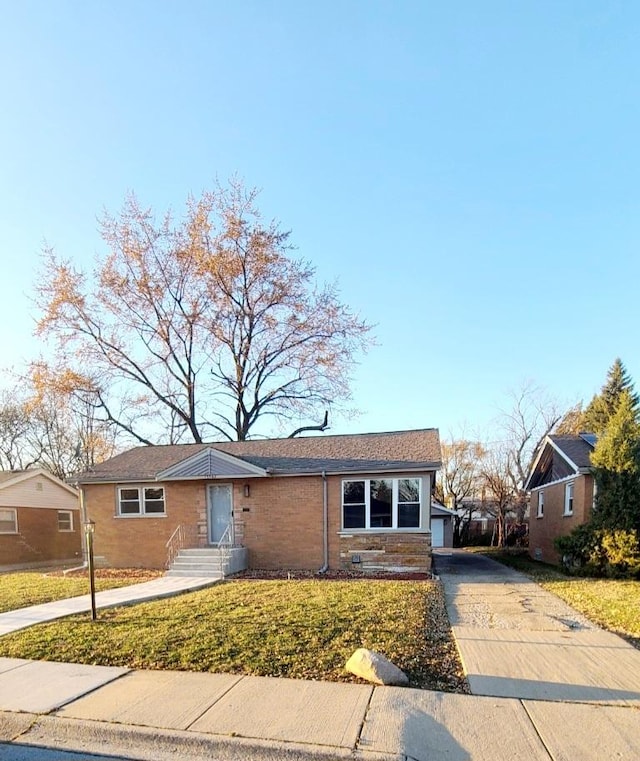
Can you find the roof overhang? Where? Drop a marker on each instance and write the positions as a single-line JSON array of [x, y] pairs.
[[549, 442], [25, 475]]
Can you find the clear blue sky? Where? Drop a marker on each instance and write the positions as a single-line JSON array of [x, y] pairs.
[[469, 171]]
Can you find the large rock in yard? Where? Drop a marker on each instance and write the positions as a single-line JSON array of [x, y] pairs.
[[375, 668]]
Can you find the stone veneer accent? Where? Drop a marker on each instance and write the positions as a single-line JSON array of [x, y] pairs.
[[388, 551]]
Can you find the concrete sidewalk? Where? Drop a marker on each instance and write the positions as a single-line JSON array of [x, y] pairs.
[[168, 715], [164, 586], [516, 640]]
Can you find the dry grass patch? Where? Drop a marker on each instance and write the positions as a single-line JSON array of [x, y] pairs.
[[299, 628], [23, 588]]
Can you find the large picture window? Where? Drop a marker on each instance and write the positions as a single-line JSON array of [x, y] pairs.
[[141, 500], [381, 503]]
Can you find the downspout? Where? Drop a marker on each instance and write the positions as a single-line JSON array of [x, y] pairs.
[[325, 523], [83, 520]]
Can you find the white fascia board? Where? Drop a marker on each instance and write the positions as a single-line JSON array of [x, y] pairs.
[[38, 473], [564, 480], [562, 454], [536, 461]]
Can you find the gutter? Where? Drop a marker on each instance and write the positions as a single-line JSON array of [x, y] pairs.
[[325, 523]]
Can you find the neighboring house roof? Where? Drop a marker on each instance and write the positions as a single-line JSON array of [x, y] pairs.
[[439, 511], [358, 453], [9, 478], [561, 457]]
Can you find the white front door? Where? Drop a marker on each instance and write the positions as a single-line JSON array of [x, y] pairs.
[[220, 509]]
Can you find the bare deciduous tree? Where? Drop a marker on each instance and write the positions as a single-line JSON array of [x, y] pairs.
[[459, 479], [522, 428], [500, 492], [202, 326]]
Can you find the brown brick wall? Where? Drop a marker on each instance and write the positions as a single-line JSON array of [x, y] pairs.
[[140, 542], [38, 539], [542, 531], [280, 523]]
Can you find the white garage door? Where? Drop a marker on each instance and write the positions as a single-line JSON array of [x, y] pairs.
[[437, 532]]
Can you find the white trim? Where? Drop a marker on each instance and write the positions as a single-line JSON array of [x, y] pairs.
[[540, 507], [558, 481], [569, 502], [141, 501], [394, 504], [568, 460], [65, 530]]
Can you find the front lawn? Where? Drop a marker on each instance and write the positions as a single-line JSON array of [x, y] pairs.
[[23, 588], [611, 603], [285, 628]]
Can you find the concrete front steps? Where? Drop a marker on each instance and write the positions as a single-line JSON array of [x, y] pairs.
[[211, 562]]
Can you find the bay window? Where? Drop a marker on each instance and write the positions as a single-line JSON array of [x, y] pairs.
[[381, 503]]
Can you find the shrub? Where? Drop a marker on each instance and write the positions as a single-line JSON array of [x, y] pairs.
[[620, 553], [591, 551]]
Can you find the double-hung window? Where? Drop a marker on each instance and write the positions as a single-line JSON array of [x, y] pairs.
[[381, 503], [540, 504], [568, 499], [65, 520], [8, 520], [141, 500]]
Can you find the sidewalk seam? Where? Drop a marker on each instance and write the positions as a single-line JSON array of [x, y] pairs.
[[535, 728], [356, 745], [217, 700]]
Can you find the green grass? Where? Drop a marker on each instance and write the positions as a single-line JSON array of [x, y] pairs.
[[21, 589], [299, 628], [611, 603]]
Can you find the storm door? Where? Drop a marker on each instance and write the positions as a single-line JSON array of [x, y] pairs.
[[220, 511]]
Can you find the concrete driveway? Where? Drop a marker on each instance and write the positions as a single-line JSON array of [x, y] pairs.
[[518, 641]]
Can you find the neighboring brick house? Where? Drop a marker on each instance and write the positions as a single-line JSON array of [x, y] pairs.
[[353, 501], [39, 519], [562, 491]]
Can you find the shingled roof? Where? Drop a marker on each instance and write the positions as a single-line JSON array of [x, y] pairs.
[[561, 457], [577, 448], [358, 453]]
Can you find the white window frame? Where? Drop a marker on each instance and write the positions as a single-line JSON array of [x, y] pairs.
[[68, 513], [394, 504], [142, 501], [540, 512], [568, 498], [15, 519]]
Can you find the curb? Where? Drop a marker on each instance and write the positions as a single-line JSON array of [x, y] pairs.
[[117, 741]]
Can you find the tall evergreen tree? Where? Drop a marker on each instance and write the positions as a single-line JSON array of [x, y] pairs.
[[616, 461], [604, 405]]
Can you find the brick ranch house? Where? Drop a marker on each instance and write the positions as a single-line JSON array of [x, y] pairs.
[[39, 519], [562, 491], [336, 502]]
